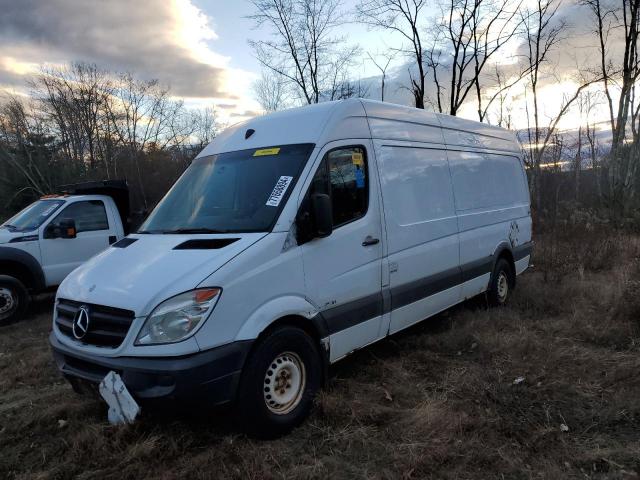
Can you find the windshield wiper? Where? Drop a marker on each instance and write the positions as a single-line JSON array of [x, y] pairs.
[[196, 230], [10, 227]]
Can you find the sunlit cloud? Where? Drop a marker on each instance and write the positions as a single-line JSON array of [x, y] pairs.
[[172, 41]]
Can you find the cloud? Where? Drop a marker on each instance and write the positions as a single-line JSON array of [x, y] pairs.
[[159, 39], [574, 59]]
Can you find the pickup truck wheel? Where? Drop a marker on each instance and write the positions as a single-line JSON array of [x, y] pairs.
[[280, 380], [14, 299], [501, 284]]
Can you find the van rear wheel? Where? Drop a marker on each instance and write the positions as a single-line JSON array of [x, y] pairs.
[[280, 381], [501, 283], [14, 299]]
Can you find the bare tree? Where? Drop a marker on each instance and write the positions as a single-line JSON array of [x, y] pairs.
[[205, 126], [270, 91], [590, 101], [17, 128], [346, 88], [501, 95], [586, 103], [620, 21], [469, 34], [339, 84], [404, 17], [77, 99], [577, 161], [304, 49], [542, 33], [382, 65], [145, 116], [87, 123]]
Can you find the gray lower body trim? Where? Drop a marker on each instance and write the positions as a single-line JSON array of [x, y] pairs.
[[522, 251], [352, 313]]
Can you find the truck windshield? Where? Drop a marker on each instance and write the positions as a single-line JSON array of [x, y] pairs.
[[32, 216], [239, 191]]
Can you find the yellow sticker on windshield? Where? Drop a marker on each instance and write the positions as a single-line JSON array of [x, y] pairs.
[[356, 159], [266, 151]]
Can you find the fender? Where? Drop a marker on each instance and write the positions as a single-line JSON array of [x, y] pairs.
[[277, 308], [502, 246], [518, 252], [30, 264]]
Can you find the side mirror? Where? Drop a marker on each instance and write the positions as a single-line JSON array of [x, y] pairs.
[[68, 228], [322, 214], [65, 229]]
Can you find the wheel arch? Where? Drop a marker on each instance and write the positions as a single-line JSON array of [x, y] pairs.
[[288, 311], [23, 266], [504, 250]]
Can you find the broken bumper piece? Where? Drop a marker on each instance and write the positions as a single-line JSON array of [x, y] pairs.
[[122, 406]]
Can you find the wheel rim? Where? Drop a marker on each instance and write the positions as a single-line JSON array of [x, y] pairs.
[[284, 383], [7, 300], [503, 287]]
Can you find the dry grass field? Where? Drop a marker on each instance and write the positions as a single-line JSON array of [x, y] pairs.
[[439, 400]]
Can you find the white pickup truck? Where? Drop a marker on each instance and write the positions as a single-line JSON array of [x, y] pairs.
[[43, 243]]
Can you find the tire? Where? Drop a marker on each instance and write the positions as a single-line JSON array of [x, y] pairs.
[[14, 300], [501, 284], [287, 358]]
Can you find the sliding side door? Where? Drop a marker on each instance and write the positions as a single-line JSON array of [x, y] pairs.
[[422, 231]]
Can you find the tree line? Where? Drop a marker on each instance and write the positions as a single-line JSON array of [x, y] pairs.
[[84, 123], [455, 56], [454, 53]]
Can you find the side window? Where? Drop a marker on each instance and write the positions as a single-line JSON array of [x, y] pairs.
[[486, 180], [343, 175], [89, 216], [416, 185]]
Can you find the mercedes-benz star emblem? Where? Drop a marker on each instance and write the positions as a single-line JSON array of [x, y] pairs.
[[81, 322]]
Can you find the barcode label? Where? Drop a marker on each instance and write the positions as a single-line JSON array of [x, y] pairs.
[[278, 191]]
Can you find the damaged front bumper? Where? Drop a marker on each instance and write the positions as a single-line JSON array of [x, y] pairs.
[[211, 376]]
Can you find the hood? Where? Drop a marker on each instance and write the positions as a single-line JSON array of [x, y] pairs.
[[137, 275], [7, 235]]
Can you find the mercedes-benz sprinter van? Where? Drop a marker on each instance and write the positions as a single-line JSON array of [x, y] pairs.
[[292, 240]]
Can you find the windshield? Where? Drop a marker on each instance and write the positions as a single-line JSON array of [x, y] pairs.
[[239, 191], [33, 216]]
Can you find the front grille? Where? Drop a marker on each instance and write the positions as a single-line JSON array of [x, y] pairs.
[[108, 326]]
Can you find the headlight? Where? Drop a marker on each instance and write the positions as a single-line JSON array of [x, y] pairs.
[[178, 317]]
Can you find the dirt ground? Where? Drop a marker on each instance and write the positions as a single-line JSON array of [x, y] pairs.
[[547, 387]]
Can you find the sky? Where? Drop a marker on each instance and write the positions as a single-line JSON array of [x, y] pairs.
[[197, 47]]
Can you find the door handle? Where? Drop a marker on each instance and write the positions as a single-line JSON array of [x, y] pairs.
[[369, 240]]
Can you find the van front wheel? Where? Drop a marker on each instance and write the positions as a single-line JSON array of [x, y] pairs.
[[279, 383], [501, 283]]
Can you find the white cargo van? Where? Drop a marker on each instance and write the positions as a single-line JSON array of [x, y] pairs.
[[292, 240]]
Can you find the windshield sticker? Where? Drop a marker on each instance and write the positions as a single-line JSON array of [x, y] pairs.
[[266, 151], [278, 191], [49, 210]]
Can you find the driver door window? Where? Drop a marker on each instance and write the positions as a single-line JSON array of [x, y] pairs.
[[343, 176], [88, 216]]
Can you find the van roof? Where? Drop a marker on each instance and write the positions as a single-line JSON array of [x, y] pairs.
[[342, 119]]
